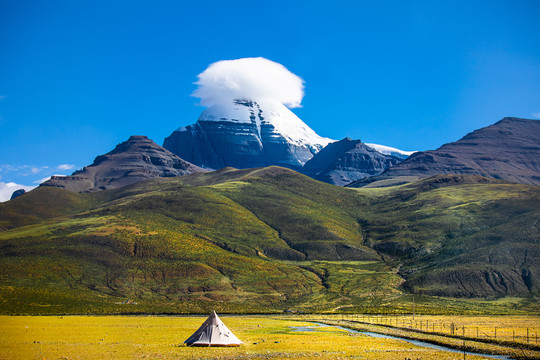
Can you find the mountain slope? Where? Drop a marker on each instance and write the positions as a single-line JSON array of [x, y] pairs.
[[246, 134], [41, 204], [345, 161], [460, 236], [268, 239], [136, 159], [508, 149]]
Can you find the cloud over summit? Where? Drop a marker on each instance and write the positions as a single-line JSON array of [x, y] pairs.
[[249, 78]]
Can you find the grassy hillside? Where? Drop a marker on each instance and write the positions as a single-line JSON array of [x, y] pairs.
[[462, 238], [271, 239]]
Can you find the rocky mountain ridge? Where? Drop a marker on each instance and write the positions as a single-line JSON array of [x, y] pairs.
[[347, 160], [134, 160], [508, 150]]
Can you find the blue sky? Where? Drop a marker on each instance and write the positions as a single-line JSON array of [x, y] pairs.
[[78, 77]]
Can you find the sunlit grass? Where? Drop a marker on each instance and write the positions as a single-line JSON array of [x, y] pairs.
[[509, 335], [114, 337]]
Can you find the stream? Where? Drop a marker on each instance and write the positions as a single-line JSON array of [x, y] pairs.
[[414, 342]]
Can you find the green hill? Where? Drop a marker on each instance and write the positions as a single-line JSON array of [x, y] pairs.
[[270, 239]]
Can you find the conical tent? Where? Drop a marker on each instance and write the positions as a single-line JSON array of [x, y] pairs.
[[213, 332]]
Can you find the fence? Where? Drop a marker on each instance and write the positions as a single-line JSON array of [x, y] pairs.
[[446, 325]]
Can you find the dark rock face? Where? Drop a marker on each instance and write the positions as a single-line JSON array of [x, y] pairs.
[[508, 150], [246, 134], [215, 145], [136, 159], [345, 161], [482, 281], [17, 193]]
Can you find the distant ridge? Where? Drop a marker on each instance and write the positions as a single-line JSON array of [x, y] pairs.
[[345, 161], [507, 150], [136, 159]]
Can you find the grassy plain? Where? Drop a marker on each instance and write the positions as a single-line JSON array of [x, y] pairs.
[[514, 336], [500, 328], [161, 337], [517, 328]]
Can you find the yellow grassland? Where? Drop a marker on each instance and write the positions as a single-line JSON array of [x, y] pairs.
[[161, 337], [514, 336], [520, 329]]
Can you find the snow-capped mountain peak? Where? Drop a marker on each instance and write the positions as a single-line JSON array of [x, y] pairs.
[[271, 113], [247, 133]]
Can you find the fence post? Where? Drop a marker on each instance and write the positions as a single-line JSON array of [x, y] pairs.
[[527, 335], [464, 331], [495, 332], [513, 335], [477, 331]]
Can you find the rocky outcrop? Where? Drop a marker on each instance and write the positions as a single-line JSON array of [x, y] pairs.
[[246, 134], [17, 193], [345, 161], [508, 150], [136, 159]]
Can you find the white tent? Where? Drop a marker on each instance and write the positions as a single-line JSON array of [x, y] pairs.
[[213, 332]]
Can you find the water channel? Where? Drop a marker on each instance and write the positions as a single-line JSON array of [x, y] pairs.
[[414, 342]]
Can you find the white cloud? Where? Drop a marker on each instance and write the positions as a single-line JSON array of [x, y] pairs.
[[7, 189], [249, 78], [536, 115], [40, 181], [29, 173]]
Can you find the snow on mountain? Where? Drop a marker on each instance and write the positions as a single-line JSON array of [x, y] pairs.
[[267, 112], [246, 133], [387, 150]]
